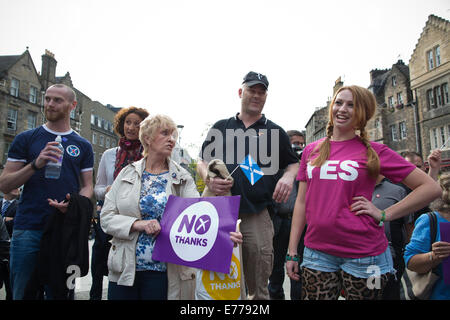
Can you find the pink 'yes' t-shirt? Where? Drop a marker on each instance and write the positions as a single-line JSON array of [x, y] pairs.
[[332, 227]]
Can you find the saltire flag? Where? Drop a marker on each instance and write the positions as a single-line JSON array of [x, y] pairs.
[[251, 169]]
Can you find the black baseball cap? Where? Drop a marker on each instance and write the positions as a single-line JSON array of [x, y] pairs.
[[253, 78]]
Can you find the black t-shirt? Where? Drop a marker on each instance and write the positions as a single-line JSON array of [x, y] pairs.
[[268, 146]]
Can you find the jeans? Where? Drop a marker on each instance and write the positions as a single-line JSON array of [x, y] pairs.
[[25, 246], [357, 267], [148, 285]]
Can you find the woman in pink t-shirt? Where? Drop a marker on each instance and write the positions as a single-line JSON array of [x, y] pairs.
[[345, 244]]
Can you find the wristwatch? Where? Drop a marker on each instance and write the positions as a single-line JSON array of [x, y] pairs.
[[33, 165]]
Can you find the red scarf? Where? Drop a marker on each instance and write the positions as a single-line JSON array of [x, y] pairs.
[[129, 151]]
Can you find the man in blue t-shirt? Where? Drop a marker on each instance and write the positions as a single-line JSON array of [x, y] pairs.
[[27, 157]]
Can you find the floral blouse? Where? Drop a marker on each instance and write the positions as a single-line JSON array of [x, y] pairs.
[[152, 203]]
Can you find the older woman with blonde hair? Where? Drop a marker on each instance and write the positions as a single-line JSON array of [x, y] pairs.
[[132, 212], [345, 244]]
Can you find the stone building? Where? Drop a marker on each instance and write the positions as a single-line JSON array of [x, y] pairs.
[[21, 99], [21, 103], [394, 121], [317, 125], [413, 110], [430, 78]]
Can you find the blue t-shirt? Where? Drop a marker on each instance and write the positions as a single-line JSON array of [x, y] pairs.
[[421, 243], [33, 208]]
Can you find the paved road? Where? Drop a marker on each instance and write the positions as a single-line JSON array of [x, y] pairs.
[[83, 285]]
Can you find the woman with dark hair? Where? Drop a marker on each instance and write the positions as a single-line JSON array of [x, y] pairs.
[[345, 244], [126, 126]]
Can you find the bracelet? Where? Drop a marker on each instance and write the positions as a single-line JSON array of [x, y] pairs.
[[33, 165], [292, 258], [383, 217]]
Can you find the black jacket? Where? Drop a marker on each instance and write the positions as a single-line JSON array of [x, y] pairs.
[[10, 212], [64, 249]]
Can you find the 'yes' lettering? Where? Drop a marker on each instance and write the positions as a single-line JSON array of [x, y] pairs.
[[329, 170]]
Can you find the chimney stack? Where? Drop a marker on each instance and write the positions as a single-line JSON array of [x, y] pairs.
[[337, 85], [48, 70]]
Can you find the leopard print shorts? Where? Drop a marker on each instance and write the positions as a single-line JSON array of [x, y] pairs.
[[318, 285]]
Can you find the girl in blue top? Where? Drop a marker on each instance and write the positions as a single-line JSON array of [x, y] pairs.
[[418, 256]]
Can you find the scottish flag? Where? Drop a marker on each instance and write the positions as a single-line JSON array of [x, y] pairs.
[[251, 169]]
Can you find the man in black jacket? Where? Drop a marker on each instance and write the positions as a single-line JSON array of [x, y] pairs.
[[64, 250]]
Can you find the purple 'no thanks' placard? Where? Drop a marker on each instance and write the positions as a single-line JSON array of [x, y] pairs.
[[195, 232]]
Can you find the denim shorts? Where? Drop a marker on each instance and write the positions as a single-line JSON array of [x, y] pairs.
[[358, 267]]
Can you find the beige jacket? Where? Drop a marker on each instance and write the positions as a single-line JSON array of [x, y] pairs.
[[121, 210]]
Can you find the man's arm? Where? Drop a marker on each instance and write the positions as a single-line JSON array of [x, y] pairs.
[[16, 173], [87, 186], [284, 185], [86, 190]]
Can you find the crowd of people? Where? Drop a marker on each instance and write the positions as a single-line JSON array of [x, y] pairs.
[[327, 214]]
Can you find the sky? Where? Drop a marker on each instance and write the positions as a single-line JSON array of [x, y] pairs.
[[187, 59]]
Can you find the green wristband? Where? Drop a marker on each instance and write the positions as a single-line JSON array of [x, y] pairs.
[[292, 258], [383, 217]]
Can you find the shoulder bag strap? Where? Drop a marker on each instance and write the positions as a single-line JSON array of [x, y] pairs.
[[433, 230], [433, 226]]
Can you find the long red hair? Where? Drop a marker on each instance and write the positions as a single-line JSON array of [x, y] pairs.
[[364, 106]]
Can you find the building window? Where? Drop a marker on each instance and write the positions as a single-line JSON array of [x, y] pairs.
[[377, 122], [391, 101], [394, 132], [437, 54], [102, 141], [438, 95], [92, 119], [442, 133], [5, 154], [399, 98], [31, 120], [12, 120], [73, 113], [14, 90], [94, 138], [430, 99], [108, 143], [444, 88], [33, 94], [430, 59], [447, 145], [402, 127], [394, 81], [434, 138]]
